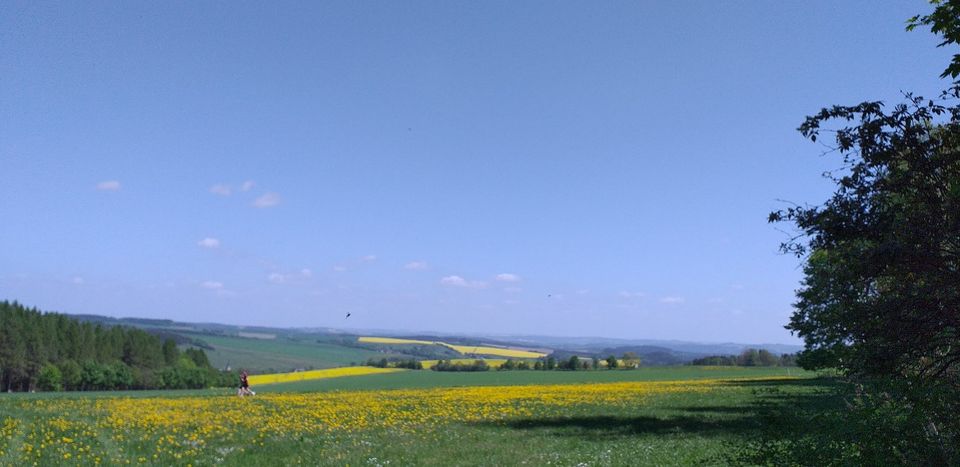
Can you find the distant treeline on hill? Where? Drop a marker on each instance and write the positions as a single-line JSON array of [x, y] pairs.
[[52, 352], [749, 357]]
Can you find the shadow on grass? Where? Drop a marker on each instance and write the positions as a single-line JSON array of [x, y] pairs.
[[605, 426], [769, 422], [770, 409]]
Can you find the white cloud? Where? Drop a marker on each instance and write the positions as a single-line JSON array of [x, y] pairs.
[[457, 281], [267, 200], [109, 185], [221, 189], [416, 265], [306, 272], [247, 185], [626, 294], [209, 242], [507, 277], [368, 258], [583, 291], [212, 285], [672, 300], [77, 280], [276, 278], [339, 268]]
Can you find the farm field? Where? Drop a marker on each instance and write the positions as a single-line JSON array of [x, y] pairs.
[[462, 349], [277, 378], [417, 379], [495, 351], [279, 355], [699, 415]]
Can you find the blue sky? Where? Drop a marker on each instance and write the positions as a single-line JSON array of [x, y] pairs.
[[559, 168]]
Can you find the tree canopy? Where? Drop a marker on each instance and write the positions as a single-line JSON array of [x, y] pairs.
[[881, 293], [51, 351], [880, 298], [944, 22]]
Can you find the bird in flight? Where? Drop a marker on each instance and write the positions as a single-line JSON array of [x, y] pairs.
[[348, 315]]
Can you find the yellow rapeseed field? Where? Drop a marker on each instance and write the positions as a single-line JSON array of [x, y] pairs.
[[318, 374], [498, 351], [463, 349]]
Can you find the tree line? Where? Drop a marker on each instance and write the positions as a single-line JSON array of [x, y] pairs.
[[749, 357], [52, 352], [573, 363]]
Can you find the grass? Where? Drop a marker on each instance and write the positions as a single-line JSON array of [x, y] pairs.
[[653, 416], [281, 354]]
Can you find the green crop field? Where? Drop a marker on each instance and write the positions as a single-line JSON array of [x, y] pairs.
[[280, 354], [656, 416]]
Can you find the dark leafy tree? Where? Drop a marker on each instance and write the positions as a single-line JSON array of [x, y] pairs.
[[880, 299], [944, 22], [551, 363], [881, 294], [612, 362]]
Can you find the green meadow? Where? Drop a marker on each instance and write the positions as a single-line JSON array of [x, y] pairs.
[[650, 416]]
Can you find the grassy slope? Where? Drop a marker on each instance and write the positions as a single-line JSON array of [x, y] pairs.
[[261, 355], [667, 429], [430, 379], [714, 428]]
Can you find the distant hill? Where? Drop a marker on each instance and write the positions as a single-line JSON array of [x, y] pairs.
[[262, 348], [600, 344]]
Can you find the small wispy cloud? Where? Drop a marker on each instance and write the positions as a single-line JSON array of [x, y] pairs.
[[221, 189], [209, 242], [672, 300], [212, 285], [339, 268], [306, 272], [77, 280], [627, 294], [507, 277], [247, 185], [276, 278], [457, 281], [583, 291], [267, 200], [416, 265], [368, 258], [109, 185]]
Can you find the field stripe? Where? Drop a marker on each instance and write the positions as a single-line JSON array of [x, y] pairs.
[[275, 378]]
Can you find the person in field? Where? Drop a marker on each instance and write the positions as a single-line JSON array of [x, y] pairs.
[[244, 385]]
